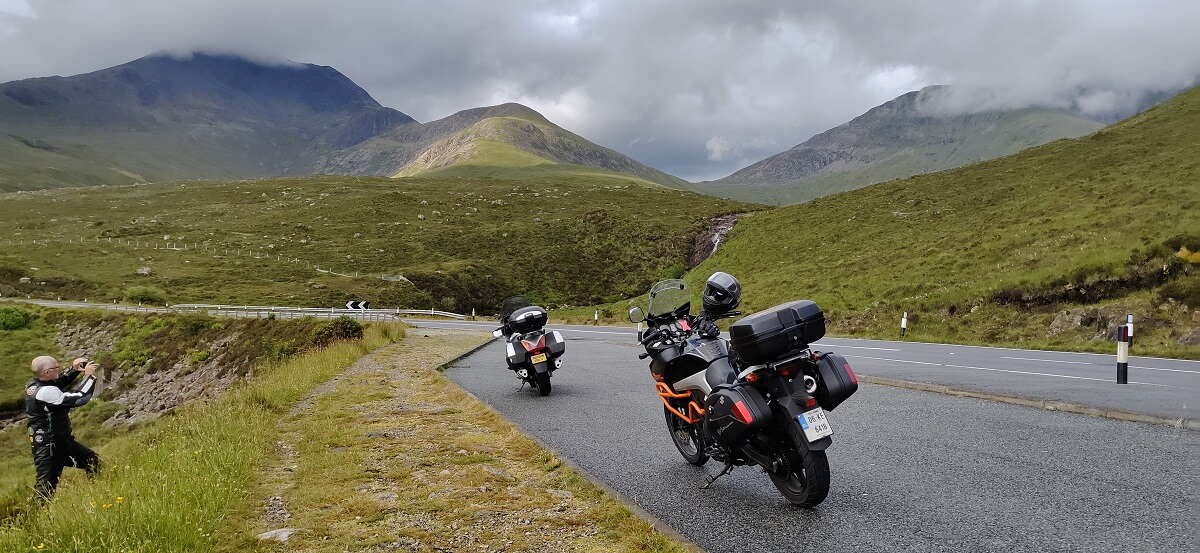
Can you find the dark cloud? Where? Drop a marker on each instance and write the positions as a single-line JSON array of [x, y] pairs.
[[698, 88]]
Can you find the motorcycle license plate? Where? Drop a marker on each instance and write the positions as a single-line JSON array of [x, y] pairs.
[[539, 358], [815, 425]]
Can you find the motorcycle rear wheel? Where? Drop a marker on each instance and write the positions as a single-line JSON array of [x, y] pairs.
[[541, 381], [804, 480], [686, 438]]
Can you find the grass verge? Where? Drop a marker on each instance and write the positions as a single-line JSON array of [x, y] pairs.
[[397, 457], [170, 486]]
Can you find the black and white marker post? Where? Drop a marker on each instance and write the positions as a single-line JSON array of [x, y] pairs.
[[903, 324], [1124, 339]]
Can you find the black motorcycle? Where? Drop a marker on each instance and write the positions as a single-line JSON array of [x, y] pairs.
[[760, 398], [532, 353]]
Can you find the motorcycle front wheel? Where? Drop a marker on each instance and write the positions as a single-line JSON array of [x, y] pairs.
[[803, 478], [686, 438]]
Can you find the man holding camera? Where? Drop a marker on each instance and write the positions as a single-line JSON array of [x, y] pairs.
[[48, 400]]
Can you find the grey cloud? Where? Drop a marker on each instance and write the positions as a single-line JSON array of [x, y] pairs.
[[698, 88]]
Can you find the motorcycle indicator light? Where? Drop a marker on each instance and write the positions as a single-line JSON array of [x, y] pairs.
[[741, 413]]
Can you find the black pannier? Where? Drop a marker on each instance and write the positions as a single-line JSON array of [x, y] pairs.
[[734, 412], [776, 332], [527, 319], [835, 381]]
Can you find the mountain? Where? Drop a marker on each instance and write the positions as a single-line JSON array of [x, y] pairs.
[[160, 118], [909, 135], [222, 117], [1044, 247], [512, 141]]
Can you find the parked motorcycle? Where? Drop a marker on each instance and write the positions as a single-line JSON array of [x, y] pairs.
[[760, 398], [532, 353]]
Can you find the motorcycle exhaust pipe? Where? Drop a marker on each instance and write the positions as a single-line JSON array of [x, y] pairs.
[[558, 362]]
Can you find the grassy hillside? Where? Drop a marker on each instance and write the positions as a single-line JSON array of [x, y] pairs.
[[127, 347], [997, 251], [461, 243], [171, 484], [510, 146]]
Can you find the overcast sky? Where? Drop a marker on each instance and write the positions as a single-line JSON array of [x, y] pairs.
[[698, 88]]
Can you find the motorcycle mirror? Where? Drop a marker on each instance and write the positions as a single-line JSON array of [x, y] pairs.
[[636, 315], [497, 333]]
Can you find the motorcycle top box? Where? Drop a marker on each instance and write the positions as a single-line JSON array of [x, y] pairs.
[[769, 335], [527, 319]]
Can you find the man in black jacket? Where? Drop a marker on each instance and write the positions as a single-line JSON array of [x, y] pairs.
[[48, 400]]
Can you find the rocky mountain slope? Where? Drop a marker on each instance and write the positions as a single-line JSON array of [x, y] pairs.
[[910, 135], [163, 118], [219, 117]]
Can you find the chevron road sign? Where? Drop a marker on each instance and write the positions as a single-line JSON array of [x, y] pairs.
[[355, 304]]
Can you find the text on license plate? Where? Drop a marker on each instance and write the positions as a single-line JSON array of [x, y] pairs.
[[815, 425], [539, 358]]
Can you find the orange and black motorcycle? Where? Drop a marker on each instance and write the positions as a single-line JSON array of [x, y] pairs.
[[532, 353], [760, 398]]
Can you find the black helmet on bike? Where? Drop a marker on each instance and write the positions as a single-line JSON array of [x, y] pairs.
[[722, 293]]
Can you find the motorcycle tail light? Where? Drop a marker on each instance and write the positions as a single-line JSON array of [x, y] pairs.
[[539, 345], [741, 413], [810, 403], [789, 370], [850, 373]]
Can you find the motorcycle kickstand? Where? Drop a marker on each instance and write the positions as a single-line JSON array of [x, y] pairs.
[[728, 469]]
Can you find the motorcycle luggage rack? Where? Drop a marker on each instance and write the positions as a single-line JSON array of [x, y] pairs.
[[695, 411]]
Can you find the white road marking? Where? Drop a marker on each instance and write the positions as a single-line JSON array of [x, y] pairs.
[[1031, 373], [1048, 360]]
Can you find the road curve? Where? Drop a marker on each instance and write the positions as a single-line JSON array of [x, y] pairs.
[[912, 471]]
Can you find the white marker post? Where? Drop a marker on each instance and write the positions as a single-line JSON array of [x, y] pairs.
[[904, 324], [596, 318], [1124, 336], [1129, 323]]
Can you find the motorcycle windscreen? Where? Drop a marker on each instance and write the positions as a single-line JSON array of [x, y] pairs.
[[512, 304], [668, 296]]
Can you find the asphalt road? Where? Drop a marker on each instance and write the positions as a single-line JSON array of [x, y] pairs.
[[1166, 388], [912, 471]]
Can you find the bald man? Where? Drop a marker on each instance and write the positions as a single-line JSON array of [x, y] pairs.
[[48, 399]]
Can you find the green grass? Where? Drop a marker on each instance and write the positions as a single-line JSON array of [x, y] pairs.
[[1045, 224], [463, 243], [168, 486]]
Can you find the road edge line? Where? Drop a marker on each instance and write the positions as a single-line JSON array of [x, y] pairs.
[[1048, 405]]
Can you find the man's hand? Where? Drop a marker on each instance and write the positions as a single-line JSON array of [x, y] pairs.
[[84, 364]]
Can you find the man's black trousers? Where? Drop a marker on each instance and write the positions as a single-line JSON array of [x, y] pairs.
[[50, 458]]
